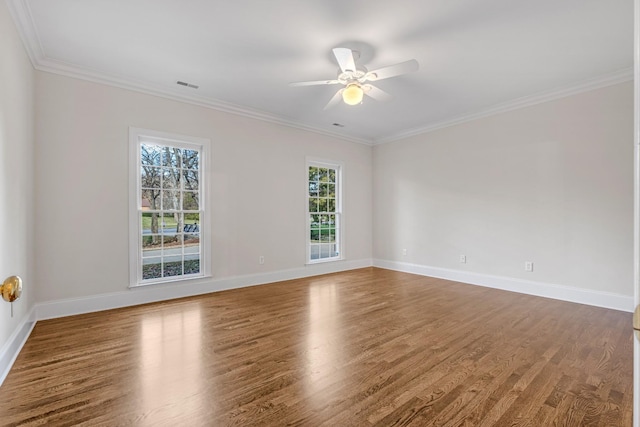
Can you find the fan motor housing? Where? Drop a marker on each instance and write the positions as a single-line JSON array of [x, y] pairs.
[[352, 76]]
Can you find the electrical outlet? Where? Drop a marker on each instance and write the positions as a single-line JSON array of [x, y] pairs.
[[463, 259], [528, 266], [404, 252], [261, 260]]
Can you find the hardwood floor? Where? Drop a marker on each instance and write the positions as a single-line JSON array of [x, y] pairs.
[[369, 347]]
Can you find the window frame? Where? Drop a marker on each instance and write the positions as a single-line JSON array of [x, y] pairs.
[[339, 209], [138, 136]]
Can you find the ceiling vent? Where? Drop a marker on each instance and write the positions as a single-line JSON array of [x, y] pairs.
[[188, 85]]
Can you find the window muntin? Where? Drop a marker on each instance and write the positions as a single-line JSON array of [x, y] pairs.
[[324, 212], [170, 227]]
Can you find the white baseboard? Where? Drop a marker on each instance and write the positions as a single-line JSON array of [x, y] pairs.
[[147, 294], [14, 344], [560, 292]]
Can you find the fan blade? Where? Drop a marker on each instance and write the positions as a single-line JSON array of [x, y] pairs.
[[392, 70], [345, 59], [375, 93], [335, 100], [314, 83]]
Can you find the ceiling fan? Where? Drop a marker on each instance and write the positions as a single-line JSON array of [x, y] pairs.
[[355, 78]]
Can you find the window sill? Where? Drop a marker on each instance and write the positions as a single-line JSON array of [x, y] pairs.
[[324, 261], [195, 279]]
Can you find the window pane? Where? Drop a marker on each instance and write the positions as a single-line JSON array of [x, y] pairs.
[[322, 205], [150, 177], [172, 244], [314, 252], [149, 155], [323, 190], [151, 268], [313, 174], [323, 174], [170, 223], [170, 200], [190, 201], [172, 266], [150, 223], [191, 244], [151, 245], [150, 200], [191, 228], [331, 205], [313, 189], [190, 159], [191, 180], [170, 179], [192, 265], [171, 157], [313, 204], [331, 190], [151, 241], [191, 222], [325, 251], [332, 175]]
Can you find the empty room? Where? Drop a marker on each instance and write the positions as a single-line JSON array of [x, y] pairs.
[[328, 213]]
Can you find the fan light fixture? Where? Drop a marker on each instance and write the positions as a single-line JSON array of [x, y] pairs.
[[352, 94], [355, 79]]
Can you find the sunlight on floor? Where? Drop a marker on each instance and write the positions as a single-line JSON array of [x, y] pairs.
[[170, 356], [323, 340]]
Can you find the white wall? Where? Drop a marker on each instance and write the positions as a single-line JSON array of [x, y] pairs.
[[258, 203], [16, 183], [551, 183]]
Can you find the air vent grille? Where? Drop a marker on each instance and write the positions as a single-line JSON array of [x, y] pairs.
[[188, 85]]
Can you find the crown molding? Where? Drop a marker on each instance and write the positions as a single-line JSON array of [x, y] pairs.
[[22, 17], [69, 70], [617, 77]]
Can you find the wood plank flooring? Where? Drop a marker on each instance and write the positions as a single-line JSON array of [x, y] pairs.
[[369, 347]]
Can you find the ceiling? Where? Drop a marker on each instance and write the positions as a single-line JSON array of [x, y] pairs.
[[476, 56]]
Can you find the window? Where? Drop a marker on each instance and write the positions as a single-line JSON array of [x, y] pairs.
[[324, 211], [168, 224]]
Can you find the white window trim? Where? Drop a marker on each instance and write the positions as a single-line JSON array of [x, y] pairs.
[[320, 162], [136, 135]]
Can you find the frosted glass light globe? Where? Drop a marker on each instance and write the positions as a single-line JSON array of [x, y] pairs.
[[352, 95]]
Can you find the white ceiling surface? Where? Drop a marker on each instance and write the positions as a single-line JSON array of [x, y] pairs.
[[475, 55]]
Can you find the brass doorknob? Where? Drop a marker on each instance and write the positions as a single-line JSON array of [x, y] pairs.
[[11, 288]]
